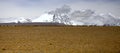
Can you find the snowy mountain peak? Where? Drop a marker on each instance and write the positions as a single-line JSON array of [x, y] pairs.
[[23, 20], [44, 18], [64, 15]]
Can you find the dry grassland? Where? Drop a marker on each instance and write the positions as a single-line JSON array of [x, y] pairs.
[[59, 39]]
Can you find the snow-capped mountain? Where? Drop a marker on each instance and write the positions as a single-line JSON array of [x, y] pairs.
[[64, 15], [94, 19], [15, 20], [23, 20], [44, 18]]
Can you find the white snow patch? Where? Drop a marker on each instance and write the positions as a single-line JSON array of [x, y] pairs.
[[44, 18]]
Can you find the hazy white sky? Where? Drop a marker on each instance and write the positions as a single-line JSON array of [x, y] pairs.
[[34, 8]]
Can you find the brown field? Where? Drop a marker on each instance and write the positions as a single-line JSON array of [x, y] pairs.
[[59, 39]]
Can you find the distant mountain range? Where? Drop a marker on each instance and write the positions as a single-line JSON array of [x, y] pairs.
[[100, 20], [64, 15]]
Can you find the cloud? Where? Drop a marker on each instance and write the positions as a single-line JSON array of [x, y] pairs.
[[84, 17], [33, 8]]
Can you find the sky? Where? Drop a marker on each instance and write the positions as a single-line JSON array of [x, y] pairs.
[[35, 8]]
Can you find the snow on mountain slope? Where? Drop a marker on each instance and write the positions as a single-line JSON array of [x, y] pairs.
[[15, 20], [23, 20], [44, 18]]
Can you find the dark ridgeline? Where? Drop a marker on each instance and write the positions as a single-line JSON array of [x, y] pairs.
[[32, 24]]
